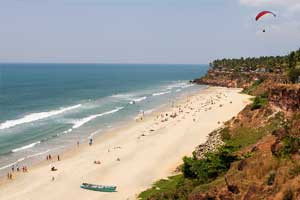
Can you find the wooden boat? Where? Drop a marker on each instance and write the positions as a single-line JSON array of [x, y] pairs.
[[100, 188]]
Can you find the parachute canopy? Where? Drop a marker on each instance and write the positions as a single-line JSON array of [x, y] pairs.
[[263, 13]]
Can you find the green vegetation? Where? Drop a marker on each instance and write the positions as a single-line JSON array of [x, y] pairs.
[[271, 178], [163, 186], [197, 174], [245, 136], [209, 168], [259, 102], [294, 171], [290, 145], [270, 64], [225, 134], [294, 74], [253, 87]]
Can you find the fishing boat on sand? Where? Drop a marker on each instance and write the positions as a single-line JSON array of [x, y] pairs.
[[100, 188]]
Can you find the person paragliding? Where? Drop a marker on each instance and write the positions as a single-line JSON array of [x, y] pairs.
[[262, 14]]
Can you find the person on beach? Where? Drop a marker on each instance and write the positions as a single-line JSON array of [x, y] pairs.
[[91, 142], [58, 158], [49, 156], [9, 176], [13, 168], [53, 169]]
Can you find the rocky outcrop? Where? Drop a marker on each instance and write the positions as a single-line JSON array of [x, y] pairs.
[[213, 142], [224, 79]]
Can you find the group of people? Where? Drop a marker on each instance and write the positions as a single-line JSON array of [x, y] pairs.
[[49, 157], [17, 168]]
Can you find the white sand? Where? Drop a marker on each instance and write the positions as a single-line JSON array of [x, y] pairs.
[[143, 159]]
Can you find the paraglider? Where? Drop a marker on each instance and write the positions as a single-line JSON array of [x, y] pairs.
[[262, 14]]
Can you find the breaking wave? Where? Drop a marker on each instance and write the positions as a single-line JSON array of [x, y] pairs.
[[161, 93], [85, 120], [35, 116], [26, 147]]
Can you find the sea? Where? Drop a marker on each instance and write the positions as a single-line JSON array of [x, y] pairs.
[[47, 108]]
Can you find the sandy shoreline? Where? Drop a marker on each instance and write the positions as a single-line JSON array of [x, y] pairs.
[[148, 150]]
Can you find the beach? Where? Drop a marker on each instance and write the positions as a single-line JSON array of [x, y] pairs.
[[133, 156]]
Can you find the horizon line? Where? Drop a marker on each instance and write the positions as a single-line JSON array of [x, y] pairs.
[[93, 63]]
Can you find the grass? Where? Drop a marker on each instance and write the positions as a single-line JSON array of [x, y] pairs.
[[294, 171], [164, 185], [253, 87], [244, 136], [205, 187]]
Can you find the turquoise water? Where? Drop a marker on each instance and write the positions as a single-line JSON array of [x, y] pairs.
[[48, 107]]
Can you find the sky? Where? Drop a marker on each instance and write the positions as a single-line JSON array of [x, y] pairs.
[[145, 31]]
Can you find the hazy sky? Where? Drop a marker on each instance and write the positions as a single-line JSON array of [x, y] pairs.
[[144, 31]]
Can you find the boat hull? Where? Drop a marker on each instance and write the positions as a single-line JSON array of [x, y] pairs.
[[99, 188]]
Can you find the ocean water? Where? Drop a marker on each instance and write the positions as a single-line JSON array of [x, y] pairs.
[[46, 108]]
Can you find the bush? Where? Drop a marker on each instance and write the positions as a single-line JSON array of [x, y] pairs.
[[225, 134], [175, 187], [209, 168], [293, 74], [258, 102], [290, 146], [187, 171], [271, 178]]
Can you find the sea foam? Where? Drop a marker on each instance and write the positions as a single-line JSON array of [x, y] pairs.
[[35, 116], [26, 147], [83, 121], [179, 85], [161, 93], [138, 99]]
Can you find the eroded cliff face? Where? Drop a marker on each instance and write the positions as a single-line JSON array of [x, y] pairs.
[[225, 79], [271, 169], [237, 79], [285, 97]]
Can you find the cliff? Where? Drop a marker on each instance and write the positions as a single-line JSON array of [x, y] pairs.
[[285, 97], [238, 79]]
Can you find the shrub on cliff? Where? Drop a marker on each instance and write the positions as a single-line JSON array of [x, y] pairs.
[[209, 168], [285, 147], [258, 102], [294, 74], [253, 87]]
